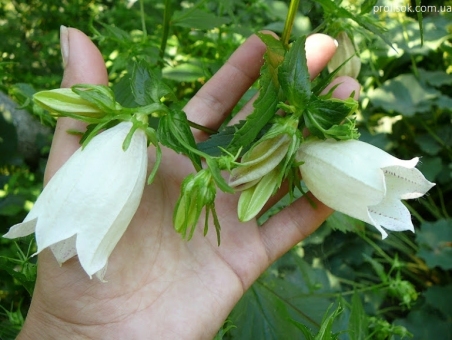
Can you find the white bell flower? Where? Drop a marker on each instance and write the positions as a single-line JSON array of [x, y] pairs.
[[362, 181], [89, 202]]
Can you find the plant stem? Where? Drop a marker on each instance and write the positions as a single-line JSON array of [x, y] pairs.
[[293, 8], [143, 22], [166, 24], [202, 128]]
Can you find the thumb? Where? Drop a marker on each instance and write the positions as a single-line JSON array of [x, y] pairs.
[[83, 64]]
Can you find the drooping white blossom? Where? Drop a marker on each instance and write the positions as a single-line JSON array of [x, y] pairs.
[[88, 204], [362, 181]]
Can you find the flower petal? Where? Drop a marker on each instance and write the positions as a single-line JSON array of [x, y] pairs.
[[392, 215], [406, 183], [64, 250], [336, 177], [95, 244], [22, 229]]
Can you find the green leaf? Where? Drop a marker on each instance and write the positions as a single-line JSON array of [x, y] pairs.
[[435, 297], [265, 105], [122, 91], [368, 6], [198, 19], [147, 85], [262, 315], [325, 332], [428, 144], [436, 78], [377, 267], [344, 223], [116, 33], [323, 118], [407, 37], [403, 94], [431, 167], [271, 310], [294, 76], [264, 111], [425, 323], [273, 56], [219, 140], [174, 132], [358, 324], [371, 24], [186, 72], [435, 243], [26, 277], [335, 12]]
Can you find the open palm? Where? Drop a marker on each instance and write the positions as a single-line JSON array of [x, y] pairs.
[[159, 285]]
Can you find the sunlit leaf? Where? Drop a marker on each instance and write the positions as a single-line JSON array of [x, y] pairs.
[[195, 18]]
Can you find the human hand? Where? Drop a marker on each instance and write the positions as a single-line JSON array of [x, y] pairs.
[[159, 285]]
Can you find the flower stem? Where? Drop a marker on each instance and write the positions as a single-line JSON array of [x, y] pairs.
[[202, 128], [143, 22], [293, 8], [166, 24]]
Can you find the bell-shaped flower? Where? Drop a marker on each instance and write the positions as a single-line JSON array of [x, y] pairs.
[[346, 51], [89, 202], [362, 181]]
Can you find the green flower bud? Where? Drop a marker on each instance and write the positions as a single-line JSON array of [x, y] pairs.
[[345, 50], [65, 101], [253, 199], [197, 191], [262, 158]]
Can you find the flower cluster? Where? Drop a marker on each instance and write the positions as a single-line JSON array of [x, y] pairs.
[[88, 204]]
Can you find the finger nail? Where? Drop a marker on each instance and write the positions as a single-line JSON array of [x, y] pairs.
[[336, 42], [64, 44]]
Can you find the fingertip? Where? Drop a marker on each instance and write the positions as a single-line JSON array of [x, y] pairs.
[[320, 48], [84, 63], [345, 87]]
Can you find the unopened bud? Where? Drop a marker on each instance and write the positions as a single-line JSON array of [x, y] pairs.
[[259, 161], [64, 101], [253, 199], [345, 50]]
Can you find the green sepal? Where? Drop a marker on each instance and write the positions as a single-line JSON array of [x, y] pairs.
[[216, 174], [322, 115], [100, 96]]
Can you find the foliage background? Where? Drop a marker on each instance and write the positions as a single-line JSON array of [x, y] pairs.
[[341, 282]]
